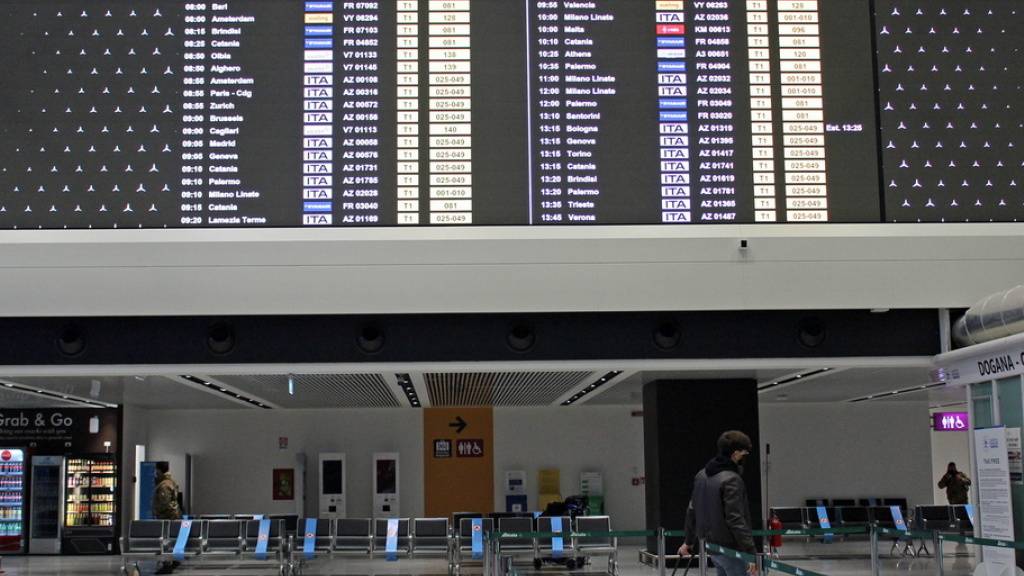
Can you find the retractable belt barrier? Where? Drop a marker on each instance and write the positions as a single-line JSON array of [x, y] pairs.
[[766, 564], [755, 559], [911, 534], [790, 531], [812, 531], [716, 549], [495, 535], [981, 541]]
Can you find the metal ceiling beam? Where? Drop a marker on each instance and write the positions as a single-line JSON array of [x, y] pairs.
[[795, 378], [50, 394], [224, 391], [625, 375], [503, 366]]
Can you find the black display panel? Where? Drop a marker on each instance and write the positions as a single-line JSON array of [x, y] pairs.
[[951, 76], [332, 478], [283, 113]]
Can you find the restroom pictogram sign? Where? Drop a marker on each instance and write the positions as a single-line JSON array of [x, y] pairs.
[[469, 448]]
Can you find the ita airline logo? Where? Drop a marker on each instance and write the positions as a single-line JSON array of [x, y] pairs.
[[476, 527], [310, 534], [392, 531], [6, 455]]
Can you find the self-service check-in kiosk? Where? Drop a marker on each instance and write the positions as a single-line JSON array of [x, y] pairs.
[[332, 487], [385, 485]]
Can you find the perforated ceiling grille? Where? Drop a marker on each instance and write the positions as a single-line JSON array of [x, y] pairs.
[[10, 400], [317, 390], [500, 388]]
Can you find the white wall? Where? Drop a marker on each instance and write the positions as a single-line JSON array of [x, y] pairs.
[[605, 439], [235, 452], [847, 451], [831, 450], [601, 268], [948, 447]]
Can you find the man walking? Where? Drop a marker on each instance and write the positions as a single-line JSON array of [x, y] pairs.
[[165, 504], [718, 512]]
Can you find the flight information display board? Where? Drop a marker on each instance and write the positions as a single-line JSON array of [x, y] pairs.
[[283, 113]]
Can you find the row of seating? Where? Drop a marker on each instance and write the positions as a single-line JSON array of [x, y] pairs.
[[864, 502], [573, 551], [224, 539], [218, 539], [942, 518]]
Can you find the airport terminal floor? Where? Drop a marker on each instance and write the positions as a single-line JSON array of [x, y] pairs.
[[843, 559]]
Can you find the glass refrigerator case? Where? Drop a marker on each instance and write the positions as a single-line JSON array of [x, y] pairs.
[[47, 507], [90, 504], [12, 500]]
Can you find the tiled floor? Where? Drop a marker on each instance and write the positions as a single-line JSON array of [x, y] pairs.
[[841, 559]]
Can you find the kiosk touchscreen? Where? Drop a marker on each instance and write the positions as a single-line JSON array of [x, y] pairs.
[[332, 485], [385, 485]]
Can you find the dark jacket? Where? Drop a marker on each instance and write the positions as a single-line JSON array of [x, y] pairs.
[[957, 485], [165, 499], [718, 512]]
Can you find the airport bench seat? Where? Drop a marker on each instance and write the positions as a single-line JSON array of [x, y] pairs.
[[462, 548], [145, 541], [223, 538], [353, 536], [380, 532], [430, 537], [276, 541], [517, 547], [545, 545], [597, 545], [323, 543]]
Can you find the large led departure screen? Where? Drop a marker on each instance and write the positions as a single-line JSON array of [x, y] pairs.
[[260, 113]]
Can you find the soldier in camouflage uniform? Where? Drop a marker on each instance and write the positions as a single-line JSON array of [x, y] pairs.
[[165, 504], [956, 483]]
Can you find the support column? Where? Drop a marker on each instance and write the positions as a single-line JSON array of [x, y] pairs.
[[682, 422]]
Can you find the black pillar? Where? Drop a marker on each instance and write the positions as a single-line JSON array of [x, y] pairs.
[[682, 422]]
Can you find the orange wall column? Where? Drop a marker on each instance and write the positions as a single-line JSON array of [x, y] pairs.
[[458, 466]]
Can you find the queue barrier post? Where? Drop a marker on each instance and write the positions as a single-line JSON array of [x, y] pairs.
[[661, 551], [876, 569], [490, 544], [703, 558], [486, 557], [937, 543]]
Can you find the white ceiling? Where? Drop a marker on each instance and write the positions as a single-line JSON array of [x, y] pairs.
[[550, 386]]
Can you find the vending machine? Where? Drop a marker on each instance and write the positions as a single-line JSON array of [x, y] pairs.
[[47, 508], [12, 500], [90, 504], [332, 485]]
